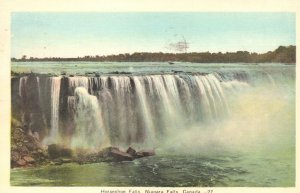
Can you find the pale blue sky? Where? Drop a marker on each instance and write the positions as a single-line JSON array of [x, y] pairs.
[[79, 34]]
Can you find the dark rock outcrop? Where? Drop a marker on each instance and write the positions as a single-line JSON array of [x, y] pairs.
[[140, 154], [115, 154], [57, 151], [146, 153], [26, 150], [132, 152], [112, 154]]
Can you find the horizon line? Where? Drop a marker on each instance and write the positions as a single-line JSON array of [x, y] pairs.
[[145, 52]]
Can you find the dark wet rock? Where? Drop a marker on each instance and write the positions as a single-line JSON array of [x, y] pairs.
[[40, 154], [118, 155], [66, 153], [177, 71], [31, 146], [56, 151], [132, 152], [115, 154], [27, 151], [122, 72], [109, 154], [146, 153], [140, 154]]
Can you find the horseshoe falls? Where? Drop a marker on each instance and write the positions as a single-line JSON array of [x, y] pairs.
[[210, 124]]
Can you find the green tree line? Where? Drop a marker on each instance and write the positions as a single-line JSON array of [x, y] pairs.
[[283, 54]]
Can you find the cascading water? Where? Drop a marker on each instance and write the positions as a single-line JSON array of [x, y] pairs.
[[92, 112], [55, 90], [23, 81], [144, 107], [208, 126], [22, 89], [89, 131]]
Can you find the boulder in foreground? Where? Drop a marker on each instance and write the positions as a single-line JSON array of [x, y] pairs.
[[140, 154], [112, 154], [115, 154]]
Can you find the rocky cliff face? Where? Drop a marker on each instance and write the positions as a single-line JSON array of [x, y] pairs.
[[26, 148]]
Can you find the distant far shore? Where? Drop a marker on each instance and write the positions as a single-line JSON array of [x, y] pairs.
[[283, 54]]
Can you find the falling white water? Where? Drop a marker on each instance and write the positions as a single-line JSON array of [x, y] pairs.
[[23, 82], [218, 92], [205, 104], [71, 104], [89, 130], [133, 110], [55, 91], [122, 90], [144, 108], [172, 89], [222, 110], [186, 97], [39, 88], [211, 96], [81, 81], [103, 81], [169, 113]]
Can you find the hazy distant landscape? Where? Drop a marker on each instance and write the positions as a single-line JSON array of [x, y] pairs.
[[283, 54]]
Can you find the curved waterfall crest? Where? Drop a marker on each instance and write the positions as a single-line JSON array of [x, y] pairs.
[[122, 110]]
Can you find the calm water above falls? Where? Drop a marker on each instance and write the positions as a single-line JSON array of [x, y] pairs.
[[228, 125], [80, 68]]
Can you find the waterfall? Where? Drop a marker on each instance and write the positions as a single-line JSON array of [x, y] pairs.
[[121, 91], [144, 109], [169, 112], [39, 89], [205, 104], [55, 91], [23, 81], [75, 82], [89, 129], [121, 110]]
